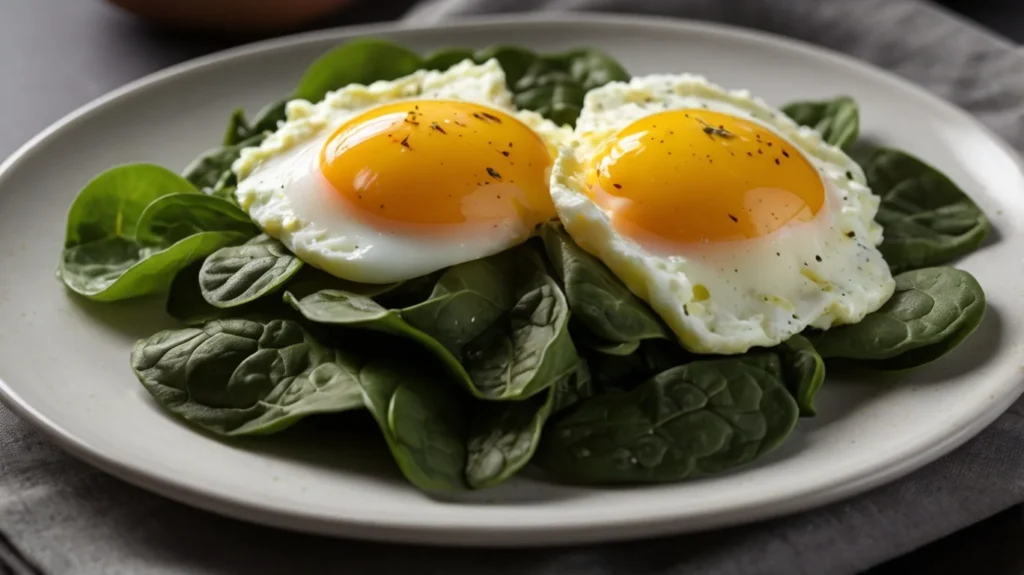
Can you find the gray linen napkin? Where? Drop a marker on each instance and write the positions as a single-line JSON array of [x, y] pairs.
[[64, 517]]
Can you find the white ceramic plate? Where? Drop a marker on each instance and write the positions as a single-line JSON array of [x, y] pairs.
[[64, 361]]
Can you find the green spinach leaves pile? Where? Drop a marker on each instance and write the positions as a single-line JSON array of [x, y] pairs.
[[538, 354]]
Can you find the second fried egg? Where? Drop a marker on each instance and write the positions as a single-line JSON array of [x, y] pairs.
[[739, 227]]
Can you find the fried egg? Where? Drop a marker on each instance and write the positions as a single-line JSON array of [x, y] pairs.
[[739, 227], [397, 179]]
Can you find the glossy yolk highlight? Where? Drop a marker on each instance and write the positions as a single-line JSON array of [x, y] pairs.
[[690, 176], [436, 162]]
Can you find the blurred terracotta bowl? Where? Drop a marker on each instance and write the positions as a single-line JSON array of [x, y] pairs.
[[233, 15]]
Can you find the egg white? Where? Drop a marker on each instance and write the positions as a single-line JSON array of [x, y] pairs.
[[283, 190], [760, 292]]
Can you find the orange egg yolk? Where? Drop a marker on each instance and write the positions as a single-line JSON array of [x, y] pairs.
[[439, 163], [693, 176]]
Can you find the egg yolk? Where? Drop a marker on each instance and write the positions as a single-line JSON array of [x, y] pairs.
[[689, 176], [437, 162]]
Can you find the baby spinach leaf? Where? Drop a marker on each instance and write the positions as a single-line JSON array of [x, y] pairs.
[[266, 120], [110, 205], [499, 324], [446, 58], [309, 280], [238, 128], [598, 299], [553, 84], [212, 169], [117, 248], [173, 217], [185, 300], [357, 62], [625, 372], [930, 313], [423, 421], [336, 307], [503, 436], [803, 370], [523, 346], [243, 377], [117, 268], [838, 121], [237, 275], [688, 421], [928, 220]]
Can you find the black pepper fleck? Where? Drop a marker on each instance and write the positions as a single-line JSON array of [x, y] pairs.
[[492, 173], [734, 219]]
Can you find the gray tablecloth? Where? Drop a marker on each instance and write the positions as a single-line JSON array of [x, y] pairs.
[[60, 516]]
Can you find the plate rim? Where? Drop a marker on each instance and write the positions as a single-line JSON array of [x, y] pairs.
[[408, 529]]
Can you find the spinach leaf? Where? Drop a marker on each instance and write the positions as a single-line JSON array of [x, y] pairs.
[[499, 324], [928, 220], [625, 372], [803, 370], [519, 343], [585, 338], [118, 248], [598, 299], [173, 217], [110, 205], [423, 420], [443, 59], [117, 268], [185, 300], [838, 121], [688, 421], [553, 84], [931, 312], [357, 62], [266, 120], [211, 171], [243, 377], [237, 275], [503, 436], [337, 307]]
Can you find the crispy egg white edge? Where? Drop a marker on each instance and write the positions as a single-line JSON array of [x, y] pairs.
[[651, 276], [310, 226]]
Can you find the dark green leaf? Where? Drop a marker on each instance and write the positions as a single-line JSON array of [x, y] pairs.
[[110, 205], [238, 128], [503, 436], [497, 324], [688, 421], [444, 59], [838, 121], [237, 275], [185, 300], [212, 169], [357, 62], [803, 370], [423, 420], [554, 84], [174, 217], [928, 220], [598, 299], [266, 120], [931, 312], [117, 268], [242, 377]]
